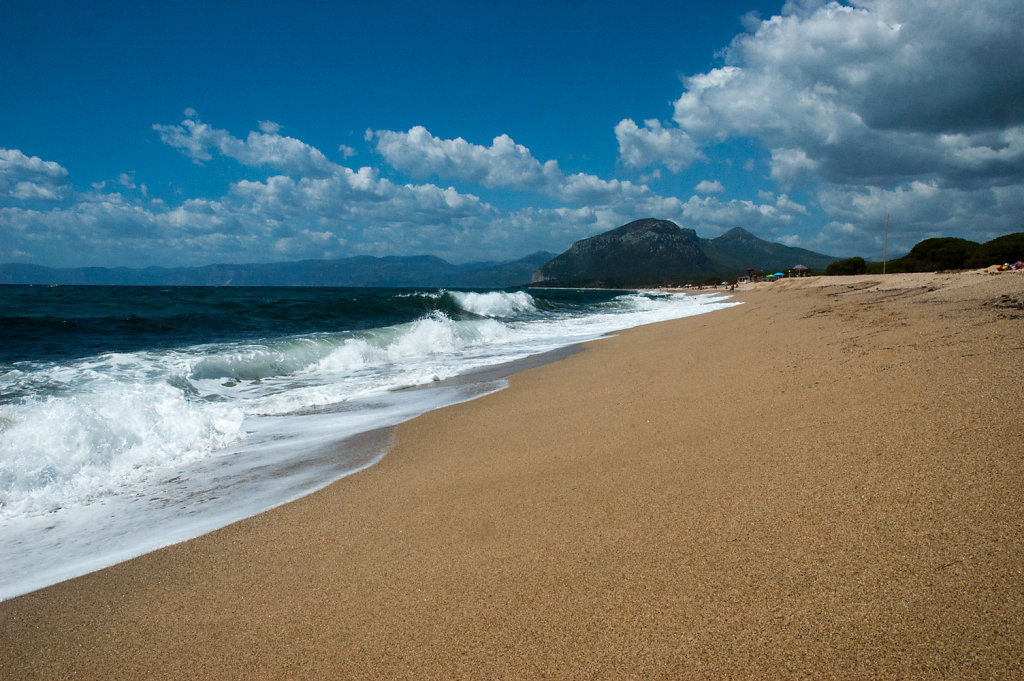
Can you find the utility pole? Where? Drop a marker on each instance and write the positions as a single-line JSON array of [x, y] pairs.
[[885, 246]]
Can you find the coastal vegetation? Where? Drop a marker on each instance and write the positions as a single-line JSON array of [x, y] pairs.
[[940, 254], [854, 265]]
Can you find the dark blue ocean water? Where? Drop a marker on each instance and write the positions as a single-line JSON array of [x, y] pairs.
[[41, 323]]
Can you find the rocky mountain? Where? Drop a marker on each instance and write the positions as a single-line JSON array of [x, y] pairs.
[[413, 271], [644, 251], [654, 252], [746, 250]]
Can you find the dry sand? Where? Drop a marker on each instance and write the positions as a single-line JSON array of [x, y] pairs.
[[824, 482]]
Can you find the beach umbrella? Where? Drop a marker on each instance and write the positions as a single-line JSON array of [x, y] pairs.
[[799, 267], [779, 274]]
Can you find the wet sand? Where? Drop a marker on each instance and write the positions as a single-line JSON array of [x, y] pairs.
[[826, 481]]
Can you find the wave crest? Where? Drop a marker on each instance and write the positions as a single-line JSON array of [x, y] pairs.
[[68, 450], [495, 304]]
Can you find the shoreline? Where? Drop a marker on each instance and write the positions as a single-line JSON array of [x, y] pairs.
[[361, 451], [825, 480], [266, 471]]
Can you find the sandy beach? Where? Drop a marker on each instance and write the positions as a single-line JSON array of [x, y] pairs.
[[826, 482]]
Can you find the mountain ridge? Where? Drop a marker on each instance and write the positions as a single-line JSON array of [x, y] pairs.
[[358, 271], [650, 252], [640, 253]]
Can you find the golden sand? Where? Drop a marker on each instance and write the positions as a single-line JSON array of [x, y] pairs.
[[824, 482]]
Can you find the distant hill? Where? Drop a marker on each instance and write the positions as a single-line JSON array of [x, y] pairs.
[[412, 271], [951, 253], [744, 250], [653, 252], [502, 275], [943, 253]]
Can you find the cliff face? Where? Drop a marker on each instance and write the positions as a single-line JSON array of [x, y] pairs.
[[652, 252]]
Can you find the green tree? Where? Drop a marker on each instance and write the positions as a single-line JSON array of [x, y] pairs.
[[855, 265], [932, 255], [1008, 248]]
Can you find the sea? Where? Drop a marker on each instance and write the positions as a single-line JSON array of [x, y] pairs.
[[136, 417]]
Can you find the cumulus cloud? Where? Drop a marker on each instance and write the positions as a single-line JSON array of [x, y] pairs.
[[503, 164], [281, 217], [873, 93], [367, 211], [351, 193], [346, 213], [92, 229], [585, 189], [654, 144], [769, 219], [356, 207], [310, 207], [792, 167], [198, 141], [312, 213], [30, 177], [709, 187], [919, 210]]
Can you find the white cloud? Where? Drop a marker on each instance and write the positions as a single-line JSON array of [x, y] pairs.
[[790, 207], [94, 229], [877, 93], [919, 210], [28, 178], [286, 154], [709, 187], [350, 201], [312, 207], [282, 217], [503, 164], [711, 216], [584, 189], [695, 115], [791, 167], [313, 213], [654, 145]]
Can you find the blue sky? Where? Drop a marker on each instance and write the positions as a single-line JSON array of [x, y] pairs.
[[186, 133]]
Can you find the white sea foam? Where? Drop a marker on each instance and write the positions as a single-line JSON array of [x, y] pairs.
[[495, 303], [152, 447], [104, 435]]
